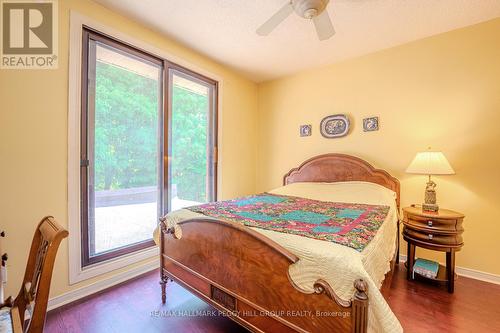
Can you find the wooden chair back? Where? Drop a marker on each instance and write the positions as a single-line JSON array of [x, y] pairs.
[[34, 293]]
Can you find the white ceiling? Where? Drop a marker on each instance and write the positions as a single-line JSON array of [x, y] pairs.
[[225, 29]]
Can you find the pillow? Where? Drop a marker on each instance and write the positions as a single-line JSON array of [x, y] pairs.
[[350, 192]]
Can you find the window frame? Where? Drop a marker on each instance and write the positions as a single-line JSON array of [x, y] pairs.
[[89, 33]]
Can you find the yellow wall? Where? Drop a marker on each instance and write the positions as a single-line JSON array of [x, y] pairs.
[[442, 91], [33, 139]]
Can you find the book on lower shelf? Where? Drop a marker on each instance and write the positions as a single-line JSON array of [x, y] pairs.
[[427, 268]]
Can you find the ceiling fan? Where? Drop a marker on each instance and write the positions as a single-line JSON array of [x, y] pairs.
[[314, 10]]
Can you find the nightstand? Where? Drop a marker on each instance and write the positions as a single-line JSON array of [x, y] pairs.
[[438, 231]]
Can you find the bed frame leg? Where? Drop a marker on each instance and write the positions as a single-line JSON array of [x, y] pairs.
[[397, 244], [163, 284], [360, 307]]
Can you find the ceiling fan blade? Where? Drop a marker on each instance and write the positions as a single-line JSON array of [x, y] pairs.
[[323, 25], [275, 20]]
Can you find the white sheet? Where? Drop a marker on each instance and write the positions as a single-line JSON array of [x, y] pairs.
[[337, 264]]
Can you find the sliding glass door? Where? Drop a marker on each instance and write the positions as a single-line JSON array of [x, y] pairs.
[[148, 145], [193, 155], [120, 131]]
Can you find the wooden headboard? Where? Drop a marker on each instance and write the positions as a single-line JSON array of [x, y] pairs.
[[330, 168]]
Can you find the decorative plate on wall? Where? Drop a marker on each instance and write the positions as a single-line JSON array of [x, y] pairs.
[[335, 126]]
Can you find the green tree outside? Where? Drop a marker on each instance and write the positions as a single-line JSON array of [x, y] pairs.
[[127, 134]]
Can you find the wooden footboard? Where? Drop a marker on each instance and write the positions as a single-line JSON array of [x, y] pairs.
[[245, 274]]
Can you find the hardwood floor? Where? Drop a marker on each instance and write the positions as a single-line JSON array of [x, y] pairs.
[[135, 306], [422, 307]]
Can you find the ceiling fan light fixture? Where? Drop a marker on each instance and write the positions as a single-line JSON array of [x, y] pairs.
[[309, 8], [310, 13], [314, 10]]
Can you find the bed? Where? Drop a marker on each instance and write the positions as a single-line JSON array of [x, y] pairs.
[[270, 281]]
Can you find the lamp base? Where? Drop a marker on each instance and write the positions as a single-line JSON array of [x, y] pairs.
[[430, 207]]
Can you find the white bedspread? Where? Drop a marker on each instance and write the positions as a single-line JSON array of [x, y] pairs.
[[337, 264]]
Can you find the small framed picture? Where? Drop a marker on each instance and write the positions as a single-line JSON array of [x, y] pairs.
[[370, 124], [305, 130]]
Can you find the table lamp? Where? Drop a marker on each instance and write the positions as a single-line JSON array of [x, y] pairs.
[[430, 163]]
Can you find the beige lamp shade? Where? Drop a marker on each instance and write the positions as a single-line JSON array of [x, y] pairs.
[[430, 163]]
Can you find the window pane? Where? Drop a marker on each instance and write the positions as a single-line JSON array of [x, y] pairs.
[[191, 176], [123, 148]]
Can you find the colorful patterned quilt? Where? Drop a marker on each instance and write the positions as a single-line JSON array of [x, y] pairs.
[[348, 224]]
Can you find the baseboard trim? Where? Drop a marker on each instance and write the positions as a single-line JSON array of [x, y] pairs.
[[470, 273], [93, 288]]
